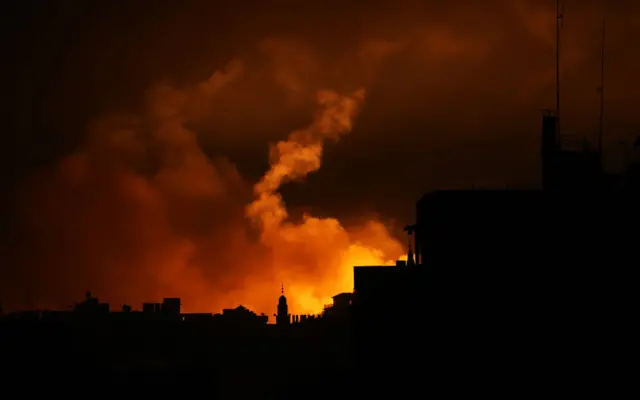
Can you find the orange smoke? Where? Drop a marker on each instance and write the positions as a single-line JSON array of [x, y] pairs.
[[301, 154], [141, 212], [323, 243]]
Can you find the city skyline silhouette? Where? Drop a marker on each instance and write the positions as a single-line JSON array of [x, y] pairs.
[[296, 200], [98, 181]]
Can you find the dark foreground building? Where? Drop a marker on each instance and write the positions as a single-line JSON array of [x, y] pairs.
[[509, 288], [512, 288]]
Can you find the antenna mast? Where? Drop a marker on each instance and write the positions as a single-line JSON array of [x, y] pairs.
[[601, 89], [559, 19]]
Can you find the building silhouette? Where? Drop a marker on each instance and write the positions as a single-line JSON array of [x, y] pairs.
[[91, 307], [283, 318], [491, 273], [241, 316], [340, 310], [171, 307]]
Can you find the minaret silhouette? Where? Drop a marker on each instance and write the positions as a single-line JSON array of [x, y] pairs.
[[282, 317]]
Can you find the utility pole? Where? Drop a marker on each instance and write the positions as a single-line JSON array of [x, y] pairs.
[[559, 19], [601, 90]]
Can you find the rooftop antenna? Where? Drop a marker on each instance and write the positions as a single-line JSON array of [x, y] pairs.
[[559, 20], [601, 90]]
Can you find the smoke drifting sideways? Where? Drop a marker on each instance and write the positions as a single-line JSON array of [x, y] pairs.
[[141, 213]]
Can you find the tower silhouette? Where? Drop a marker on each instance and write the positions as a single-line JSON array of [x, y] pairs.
[[283, 317]]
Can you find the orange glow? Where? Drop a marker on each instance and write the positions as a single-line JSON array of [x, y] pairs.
[[321, 241], [141, 213]]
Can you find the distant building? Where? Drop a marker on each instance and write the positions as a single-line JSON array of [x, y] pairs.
[[56, 316], [341, 307], [91, 307], [151, 308], [27, 315], [197, 317], [242, 316], [171, 307], [306, 319], [342, 300]]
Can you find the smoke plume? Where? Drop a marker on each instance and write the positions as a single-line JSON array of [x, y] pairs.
[[141, 212]]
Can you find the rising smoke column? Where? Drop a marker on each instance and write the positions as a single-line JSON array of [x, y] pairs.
[[301, 154], [321, 244]]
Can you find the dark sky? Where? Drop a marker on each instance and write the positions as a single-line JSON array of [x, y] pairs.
[[454, 91]]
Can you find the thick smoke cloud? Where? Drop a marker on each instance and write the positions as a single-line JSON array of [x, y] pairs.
[[141, 212], [158, 196]]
